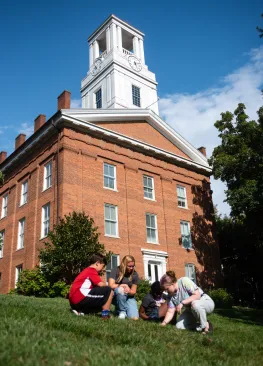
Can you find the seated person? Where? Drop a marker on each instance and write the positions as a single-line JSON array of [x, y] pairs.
[[123, 280], [88, 293], [153, 306]]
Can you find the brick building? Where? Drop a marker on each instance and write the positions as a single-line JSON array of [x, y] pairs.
[[146, 187]]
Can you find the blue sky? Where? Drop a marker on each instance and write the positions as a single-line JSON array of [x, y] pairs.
[[207, 57]]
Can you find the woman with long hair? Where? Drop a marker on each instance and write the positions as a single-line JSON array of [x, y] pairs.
[[124, 280], [186, 294]]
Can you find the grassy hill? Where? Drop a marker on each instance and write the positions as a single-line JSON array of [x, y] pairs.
[[44, 332]]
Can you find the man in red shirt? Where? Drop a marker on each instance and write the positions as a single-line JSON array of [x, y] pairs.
[[88, 293]]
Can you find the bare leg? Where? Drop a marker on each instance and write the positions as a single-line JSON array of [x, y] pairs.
[[107, 305], [163, 310]]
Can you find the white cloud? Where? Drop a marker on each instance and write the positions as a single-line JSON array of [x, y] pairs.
[[194, 115], [75, 103], [27, 129]]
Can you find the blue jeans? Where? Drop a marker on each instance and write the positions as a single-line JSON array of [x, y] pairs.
[[126, 303]]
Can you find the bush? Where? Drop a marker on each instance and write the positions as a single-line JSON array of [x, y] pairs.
[[144, 287], [33, 283], [221, 298]]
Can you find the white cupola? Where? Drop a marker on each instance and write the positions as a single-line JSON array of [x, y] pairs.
[[118, 76]]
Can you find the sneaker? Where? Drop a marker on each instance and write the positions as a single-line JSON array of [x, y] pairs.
[[77, 313], [106, 317], [122, 315]]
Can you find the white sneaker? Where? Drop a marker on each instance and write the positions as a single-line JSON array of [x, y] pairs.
[[122, 315], [77, 313]]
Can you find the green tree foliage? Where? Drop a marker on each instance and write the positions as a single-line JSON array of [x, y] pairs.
[[70, 246], [260, 29], [238, 162], [144, 287], [2, 178]]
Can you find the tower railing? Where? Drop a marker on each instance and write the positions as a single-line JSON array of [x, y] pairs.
[[126, 52]]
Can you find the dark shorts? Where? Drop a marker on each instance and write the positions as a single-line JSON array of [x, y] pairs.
[[154, 315], [94, 301]]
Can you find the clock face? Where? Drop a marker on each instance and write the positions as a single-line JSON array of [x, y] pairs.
[[96, 66], [135, 63]]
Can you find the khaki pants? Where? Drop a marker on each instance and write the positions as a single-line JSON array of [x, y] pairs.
[[194, 317]]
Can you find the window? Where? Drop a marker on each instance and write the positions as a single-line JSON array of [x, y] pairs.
[[111, 219], [45, 220], [98, 99], [18, 271], [2, 240], [47, 175], [113, 263], [21, 233], [109, 176], [151, 228], [181, 196], [148, 187], [186, 234], [4, 206], [190, 271], [24, 190], [136, 96]]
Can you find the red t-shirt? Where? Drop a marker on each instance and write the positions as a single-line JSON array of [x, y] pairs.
[[83, 283]]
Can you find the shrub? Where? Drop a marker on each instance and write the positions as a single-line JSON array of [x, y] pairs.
[[33, 283], [144, 287], [221, 298]]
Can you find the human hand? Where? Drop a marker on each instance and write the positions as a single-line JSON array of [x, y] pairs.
[[127, 290], [179, 308]]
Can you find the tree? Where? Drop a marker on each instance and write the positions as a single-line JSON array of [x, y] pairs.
[[238, 162], [260, 29], [2, 177], [70, 246]]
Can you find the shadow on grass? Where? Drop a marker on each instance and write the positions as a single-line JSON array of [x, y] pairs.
[[244, 315]]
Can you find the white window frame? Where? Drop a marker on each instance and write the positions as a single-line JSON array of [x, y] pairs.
[[21, 233], [2, 234], [47, 175], [45, 221], [95, 98], [19, 269], [147, 188], [151, 228], [156, 257], [109, 266], [114, 178], [136, 97], [181, 200], [190, 271], [4, 206], [24, 192], [183, 225], [111, 221]]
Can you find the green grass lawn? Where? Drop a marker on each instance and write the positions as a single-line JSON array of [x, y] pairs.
[[43, 332]]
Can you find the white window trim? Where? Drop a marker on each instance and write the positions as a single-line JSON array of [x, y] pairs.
[[139, 87], [117, 221], [45, 187], [94, 97], [4, 206], [153, 189], [19, 269], [24, 194], [2, 233], [188, 265], [189, 228], [115, 177], [21, 234], [42, 221], [186, 204], [154, 255], [156, 228]]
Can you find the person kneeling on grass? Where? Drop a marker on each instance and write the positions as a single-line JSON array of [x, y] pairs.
[[88, 293], [123, 280], [153, 306], [186, 294]]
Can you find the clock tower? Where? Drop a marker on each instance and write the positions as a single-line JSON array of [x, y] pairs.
[[118, 76]]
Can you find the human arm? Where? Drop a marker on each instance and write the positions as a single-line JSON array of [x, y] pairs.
[[131, 291], [195, 296], [169, 316], [142, 313], [113, 285]]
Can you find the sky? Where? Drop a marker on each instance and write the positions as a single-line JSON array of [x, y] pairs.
[[207, 57]]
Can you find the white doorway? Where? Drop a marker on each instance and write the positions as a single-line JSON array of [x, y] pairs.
[[154, 264]]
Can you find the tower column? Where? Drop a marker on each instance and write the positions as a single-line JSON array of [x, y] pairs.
[[136, 50], [108, 45], [119, 37], [96, 52], [90, 55], [141, 51], [113, 33]]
